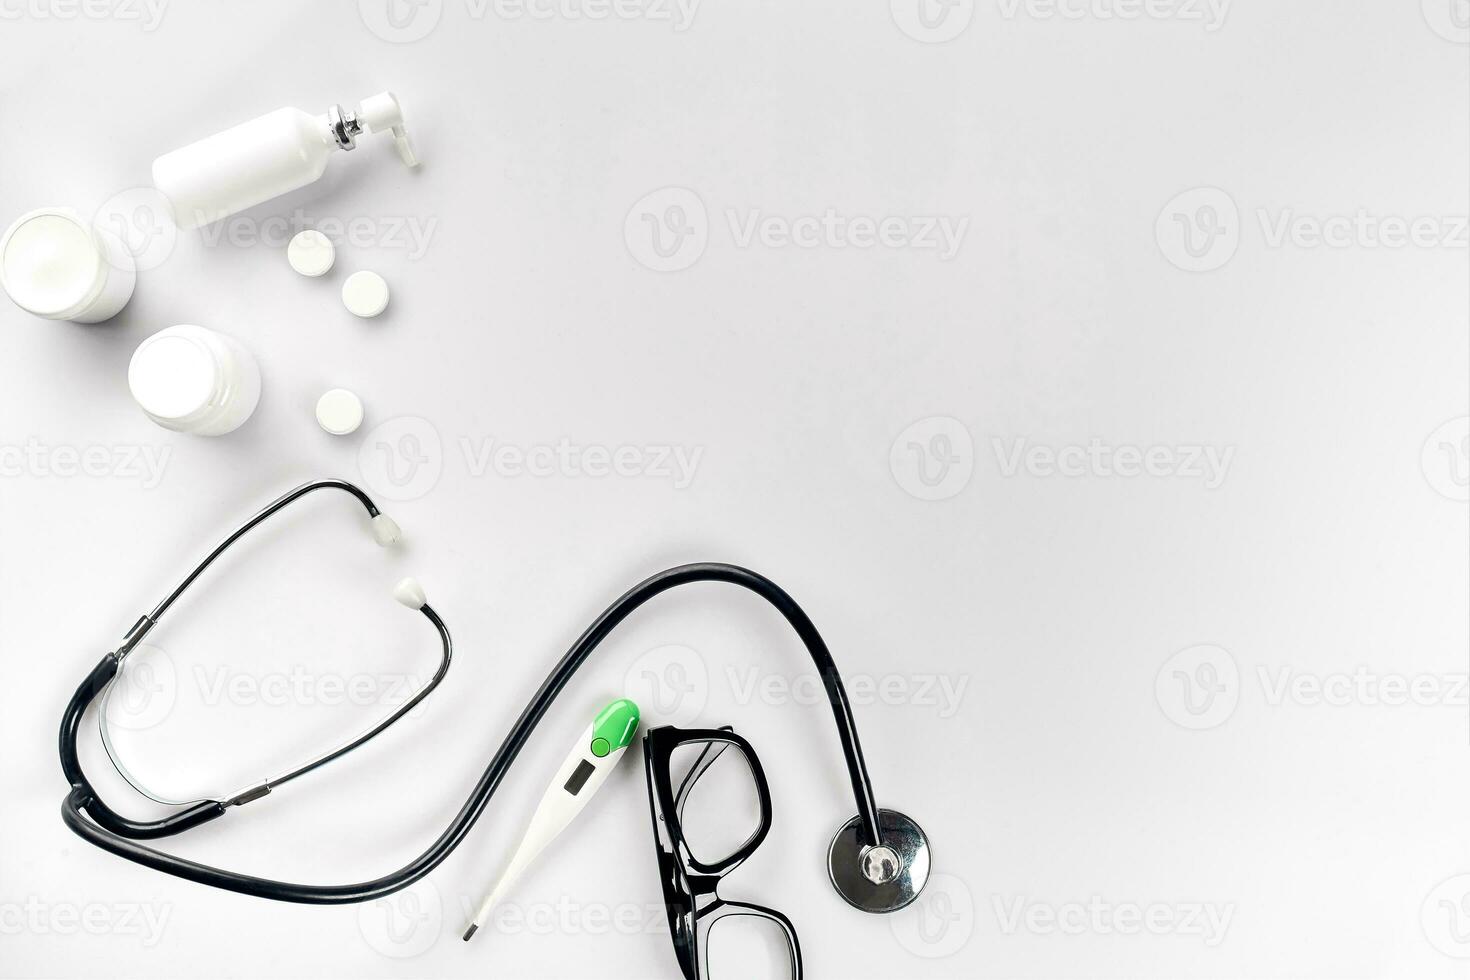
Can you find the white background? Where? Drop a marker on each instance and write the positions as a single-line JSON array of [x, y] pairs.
[[1133, 192]]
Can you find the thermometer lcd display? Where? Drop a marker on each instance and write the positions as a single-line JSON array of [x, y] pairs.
[[579, 777]]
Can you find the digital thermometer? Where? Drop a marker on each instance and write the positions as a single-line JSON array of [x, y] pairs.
[[586, 768]]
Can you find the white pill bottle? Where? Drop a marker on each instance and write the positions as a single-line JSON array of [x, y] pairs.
[[57, 266], [192, 379]]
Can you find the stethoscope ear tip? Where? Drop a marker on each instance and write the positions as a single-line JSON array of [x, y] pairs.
[[409, 592], [386, 530]]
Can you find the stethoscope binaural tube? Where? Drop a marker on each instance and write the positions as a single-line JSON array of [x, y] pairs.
[[118, 835], [99, 682]]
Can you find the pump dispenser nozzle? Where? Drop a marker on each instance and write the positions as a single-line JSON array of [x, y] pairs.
[[382, 112], [375, 114]]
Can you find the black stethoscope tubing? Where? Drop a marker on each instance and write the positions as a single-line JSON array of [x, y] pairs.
[[119, 835]]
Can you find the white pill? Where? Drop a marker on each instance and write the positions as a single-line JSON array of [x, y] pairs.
[[365, 293], [311, 253], [339, 411]]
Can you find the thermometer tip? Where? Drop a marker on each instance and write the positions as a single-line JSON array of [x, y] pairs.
[[470, 931]]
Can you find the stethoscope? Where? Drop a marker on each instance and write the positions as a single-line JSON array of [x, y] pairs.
[[878, 861]]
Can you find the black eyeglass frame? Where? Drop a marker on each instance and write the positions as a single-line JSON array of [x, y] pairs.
[[691, 886]]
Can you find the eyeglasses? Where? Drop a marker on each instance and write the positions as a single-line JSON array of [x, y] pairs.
[[696, 780]]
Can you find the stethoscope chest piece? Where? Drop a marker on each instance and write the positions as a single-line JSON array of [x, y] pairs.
[[884, 878]]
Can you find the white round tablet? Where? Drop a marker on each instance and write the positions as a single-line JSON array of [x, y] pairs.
[[311, 253], [365, 293], [339, 411]]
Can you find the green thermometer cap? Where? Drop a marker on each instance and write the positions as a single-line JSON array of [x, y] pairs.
[[614, 726]]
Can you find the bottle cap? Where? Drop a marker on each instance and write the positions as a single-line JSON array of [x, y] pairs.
[[174, 377], [52, 264], [192, 379]]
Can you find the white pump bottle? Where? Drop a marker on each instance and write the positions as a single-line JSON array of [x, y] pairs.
[[269, 156]]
